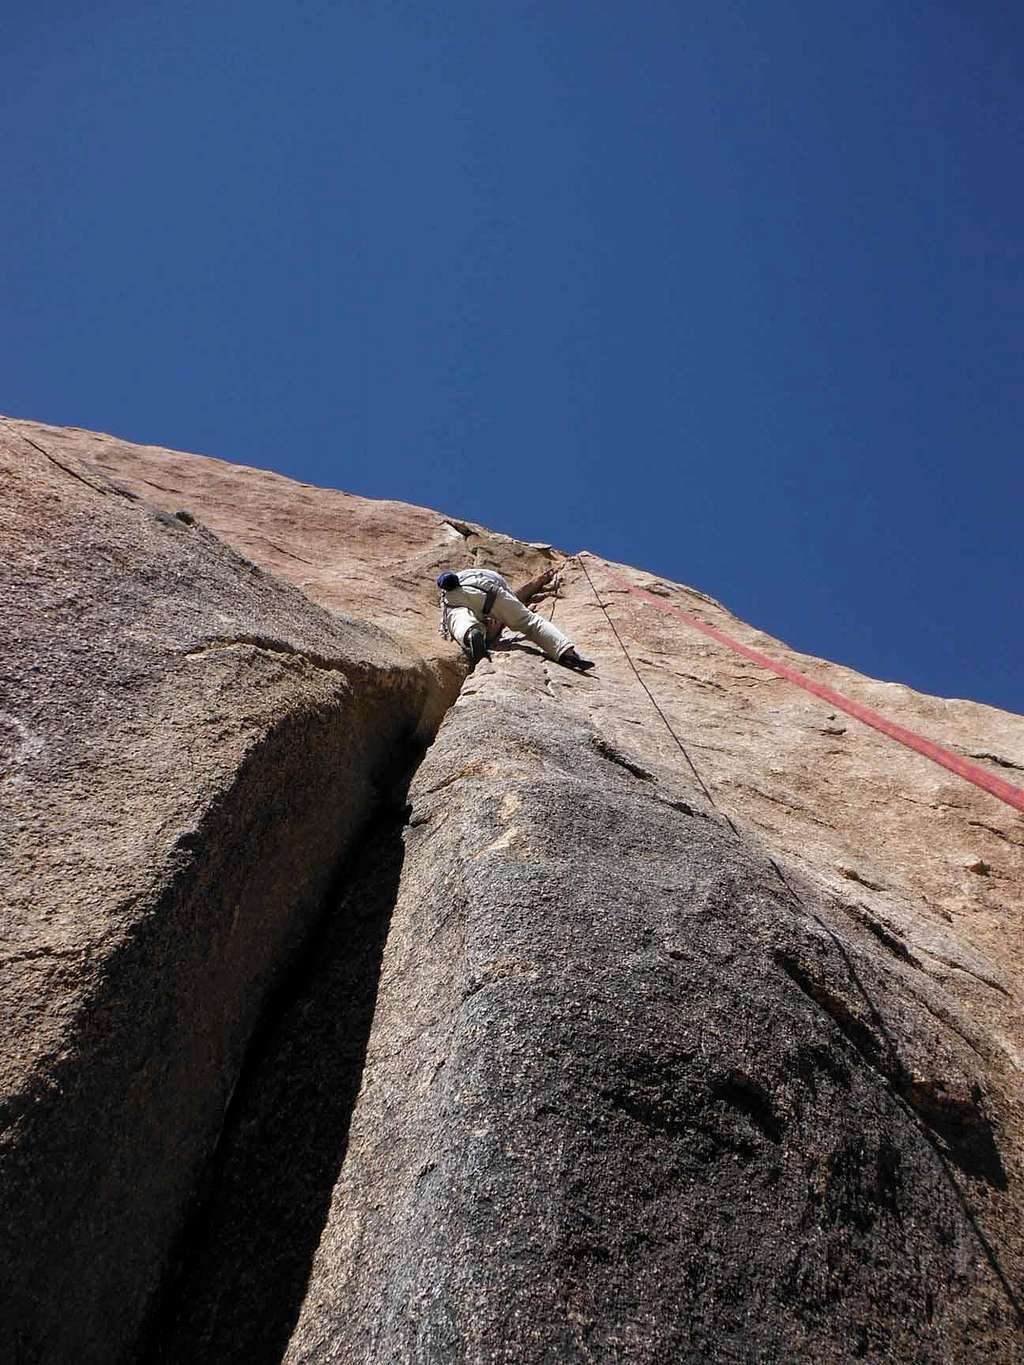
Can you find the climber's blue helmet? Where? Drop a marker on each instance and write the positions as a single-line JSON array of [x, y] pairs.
[[447, 581]]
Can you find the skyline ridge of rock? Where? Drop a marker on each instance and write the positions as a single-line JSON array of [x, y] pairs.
[[557, 1052]]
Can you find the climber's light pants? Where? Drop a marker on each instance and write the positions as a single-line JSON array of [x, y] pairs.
[[467, 610], [459, 620]]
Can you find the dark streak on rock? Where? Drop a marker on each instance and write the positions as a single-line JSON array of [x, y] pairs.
[[613, 755]]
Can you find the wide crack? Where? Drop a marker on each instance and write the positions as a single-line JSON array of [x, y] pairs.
[[241, 1267], [245, 1261]]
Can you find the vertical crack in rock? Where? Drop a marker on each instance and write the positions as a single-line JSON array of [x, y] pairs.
[[245, 1260], [574, 1140], [127, 1119], [500, 1114], [563, 1068], [176, 816]]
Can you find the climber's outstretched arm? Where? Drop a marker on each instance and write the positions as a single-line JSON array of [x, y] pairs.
[[541, 586]]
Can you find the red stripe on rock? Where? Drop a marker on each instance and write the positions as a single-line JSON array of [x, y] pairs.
[[971, 772]]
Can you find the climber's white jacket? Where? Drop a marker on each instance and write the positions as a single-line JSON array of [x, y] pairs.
[[463, 607]]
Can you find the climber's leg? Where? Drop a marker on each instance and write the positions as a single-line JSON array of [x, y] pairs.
[[514, 614], [469, 632], [475, 643], [460, 622]]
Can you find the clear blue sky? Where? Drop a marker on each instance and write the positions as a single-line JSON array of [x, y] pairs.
[[731, 290]]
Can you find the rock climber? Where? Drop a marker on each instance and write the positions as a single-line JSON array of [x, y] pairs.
[[477, 603]]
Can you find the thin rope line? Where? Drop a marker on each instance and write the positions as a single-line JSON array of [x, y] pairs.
[[557, 592], [897, 1099], [936, 753], [654, 701]]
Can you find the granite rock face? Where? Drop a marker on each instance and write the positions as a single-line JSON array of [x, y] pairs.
[[630, 1093], [675, 1018], [371, 559], [190, 748]]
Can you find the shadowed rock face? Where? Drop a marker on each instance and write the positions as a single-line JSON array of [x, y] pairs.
[[190, 749], [629, 1094], [587, 1059]]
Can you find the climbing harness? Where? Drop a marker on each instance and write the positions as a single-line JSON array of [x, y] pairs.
[[444, 627]]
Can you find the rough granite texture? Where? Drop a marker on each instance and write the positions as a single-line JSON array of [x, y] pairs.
[[581, 1064], [189, 749]]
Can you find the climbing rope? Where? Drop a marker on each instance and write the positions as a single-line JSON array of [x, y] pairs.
[[654, 701], [945, 758], [922, 746]]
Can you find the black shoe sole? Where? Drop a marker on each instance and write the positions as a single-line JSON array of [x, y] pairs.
[[477, 646]]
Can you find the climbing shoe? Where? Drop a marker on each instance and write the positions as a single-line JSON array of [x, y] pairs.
[[476, 644], [573, 660]]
